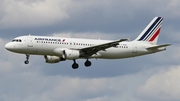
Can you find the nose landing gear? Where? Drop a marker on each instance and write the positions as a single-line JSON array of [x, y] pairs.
[[27, 59]]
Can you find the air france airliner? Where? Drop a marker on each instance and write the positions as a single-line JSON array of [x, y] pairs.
[[57, 49]]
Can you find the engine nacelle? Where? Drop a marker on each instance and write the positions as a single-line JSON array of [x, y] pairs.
[[52, 59], [71, 54]]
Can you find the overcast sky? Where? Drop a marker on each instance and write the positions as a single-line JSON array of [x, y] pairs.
[[153, 77]]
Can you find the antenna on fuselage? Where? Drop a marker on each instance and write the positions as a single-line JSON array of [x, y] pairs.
[[30, 34]]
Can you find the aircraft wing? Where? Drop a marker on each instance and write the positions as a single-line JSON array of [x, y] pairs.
[[88, 51]]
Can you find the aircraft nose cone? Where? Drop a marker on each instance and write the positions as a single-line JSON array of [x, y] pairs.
[[8, 46]]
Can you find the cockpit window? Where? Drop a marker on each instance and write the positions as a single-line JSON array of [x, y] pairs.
[[13, 40], [17, 40]]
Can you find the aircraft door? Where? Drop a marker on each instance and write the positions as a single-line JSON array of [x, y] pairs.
[[30, 41]]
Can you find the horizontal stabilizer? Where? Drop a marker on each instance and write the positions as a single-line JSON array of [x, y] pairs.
[[159, 46]]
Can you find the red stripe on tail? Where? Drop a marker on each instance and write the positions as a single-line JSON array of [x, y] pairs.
[[155, 35]]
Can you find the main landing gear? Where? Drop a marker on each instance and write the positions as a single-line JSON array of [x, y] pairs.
[[75, 65], [87, 63], [27, 59]]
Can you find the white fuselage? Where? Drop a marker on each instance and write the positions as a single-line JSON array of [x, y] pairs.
[[42, 45]]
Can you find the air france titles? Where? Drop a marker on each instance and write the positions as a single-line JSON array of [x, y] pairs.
[[48, 39]]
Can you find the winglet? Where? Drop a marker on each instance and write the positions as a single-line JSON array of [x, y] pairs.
[[123, 40]]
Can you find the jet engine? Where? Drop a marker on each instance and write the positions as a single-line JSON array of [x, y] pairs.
[[71, 54], [52, 59]]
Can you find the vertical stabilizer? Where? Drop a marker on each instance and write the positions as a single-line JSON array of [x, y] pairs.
[[151, 32]]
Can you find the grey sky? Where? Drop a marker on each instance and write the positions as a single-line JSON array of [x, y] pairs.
[[152, 77]]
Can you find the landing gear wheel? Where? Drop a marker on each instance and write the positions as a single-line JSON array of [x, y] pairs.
[[26, 62], [75, 65], [87, 63]]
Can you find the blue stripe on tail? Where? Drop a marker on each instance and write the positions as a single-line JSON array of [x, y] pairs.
[[146, 33], [155, 28]]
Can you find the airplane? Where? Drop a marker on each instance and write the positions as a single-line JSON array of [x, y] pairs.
[[57, 49]]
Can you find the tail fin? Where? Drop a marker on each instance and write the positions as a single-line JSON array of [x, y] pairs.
[[151, 32]]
